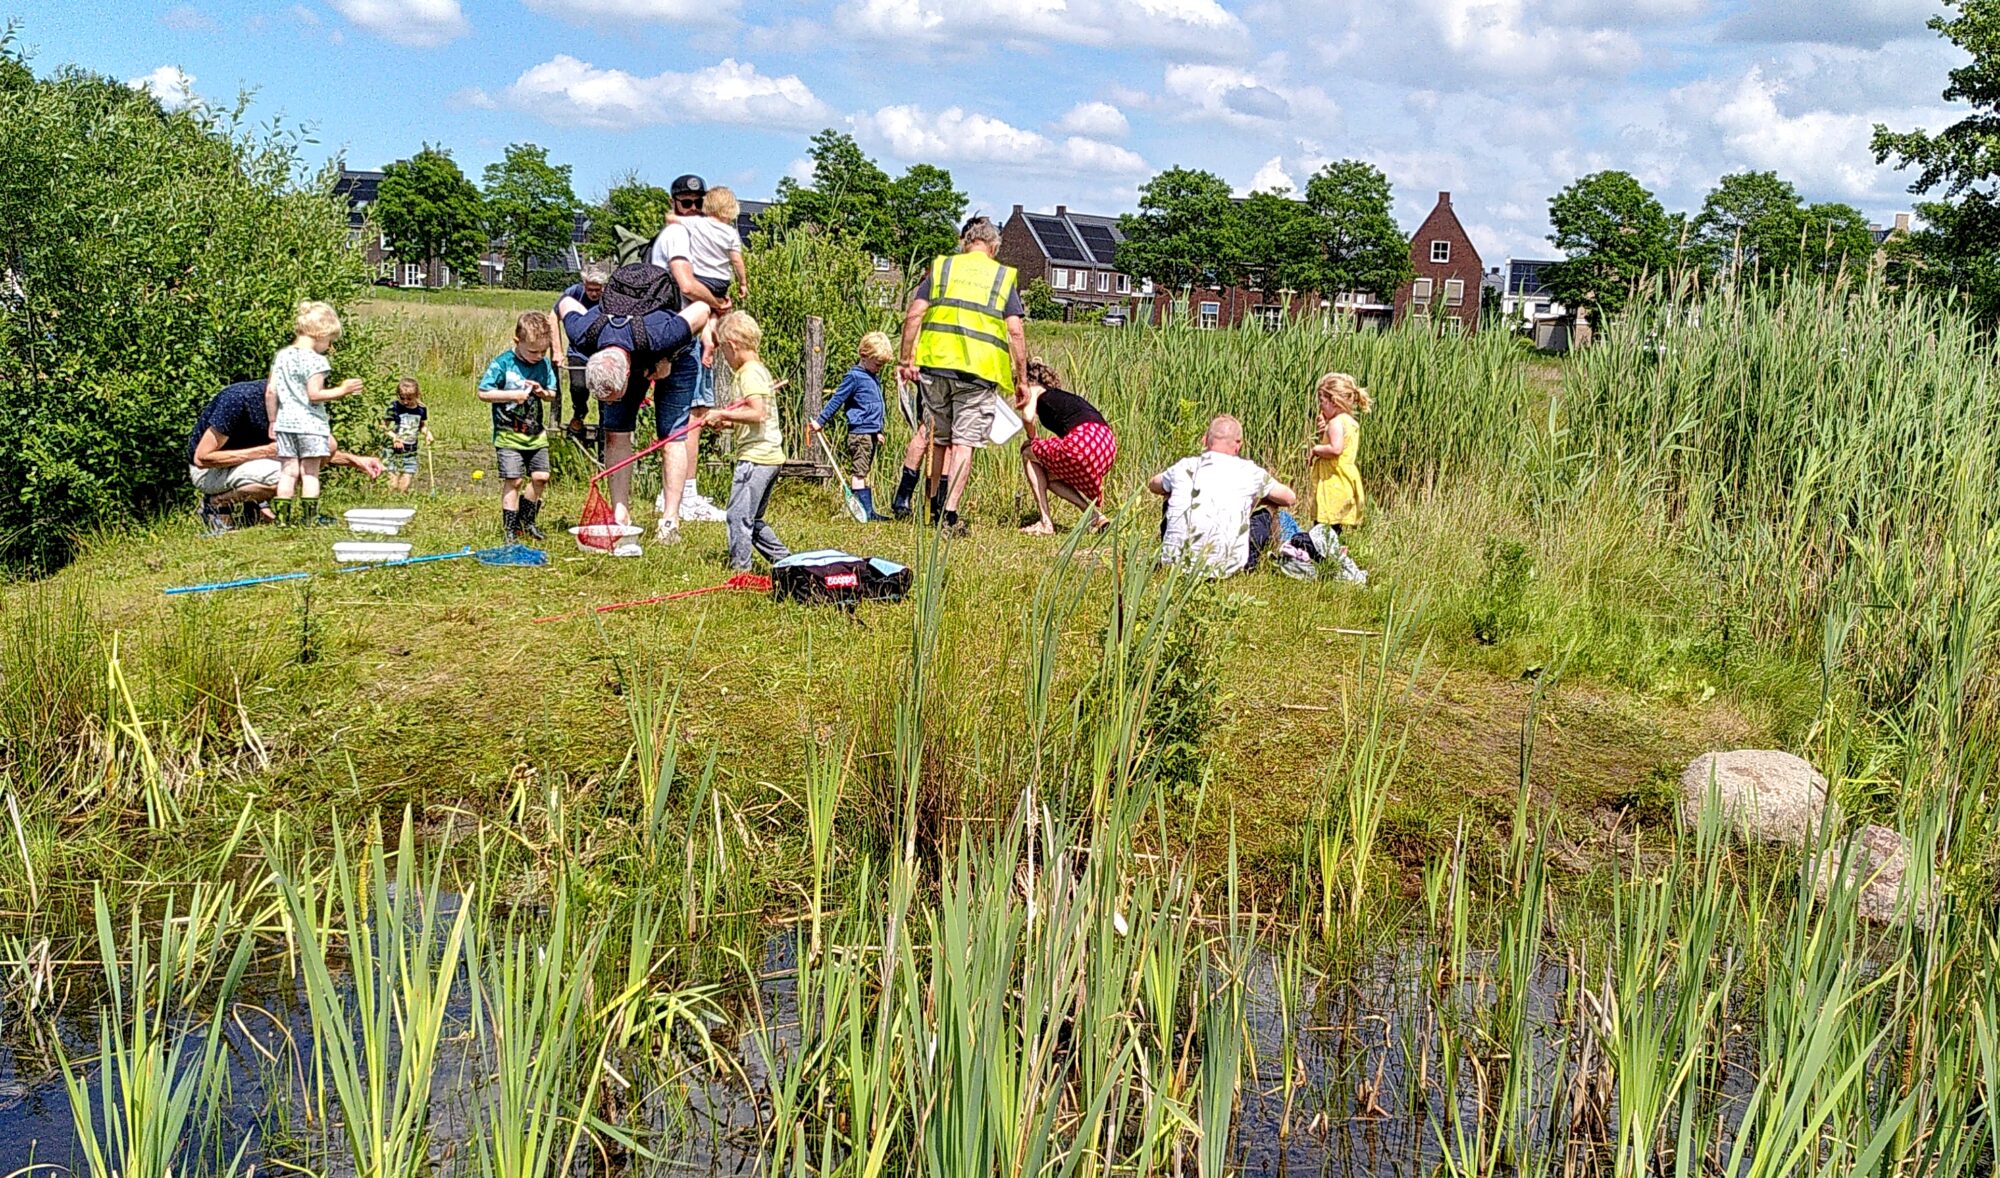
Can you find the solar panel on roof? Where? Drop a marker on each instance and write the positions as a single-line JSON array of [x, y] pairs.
[[1057, 241], [1099, 241]]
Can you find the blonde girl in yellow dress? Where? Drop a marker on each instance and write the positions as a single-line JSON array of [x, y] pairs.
[[1339, 499]]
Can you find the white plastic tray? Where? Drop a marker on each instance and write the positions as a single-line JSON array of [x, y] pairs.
[[361, 551], [608, 536]]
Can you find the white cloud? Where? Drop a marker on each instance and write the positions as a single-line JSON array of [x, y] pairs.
[[955, 136], [1820, 150], [417, 23], [564, 90], [1100, 120], [800, 170], [629, 12], [172, 86], [186, 18], [1866, 23], [1271, 176], [1247, 99], [1192, 26], [473, 98], [305, 16]]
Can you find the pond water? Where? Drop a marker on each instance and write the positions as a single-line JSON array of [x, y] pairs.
[[1359, 1052]]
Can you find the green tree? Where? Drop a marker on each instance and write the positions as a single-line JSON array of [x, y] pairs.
[[630, 202], [1835, 237], [1273, 245], [1360, 246], [849, 194], [530, 205], [1749, 221], [1040, 301], [1959, 246], [1183, 231], [150, 257], [428, 210], [1614, 233], [925, 211]]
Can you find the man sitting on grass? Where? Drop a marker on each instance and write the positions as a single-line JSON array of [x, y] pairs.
[[1212, 523], [233, 461]]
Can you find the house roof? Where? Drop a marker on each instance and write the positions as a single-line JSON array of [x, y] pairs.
[[1524, 275], [359, 189], [1074, 238]]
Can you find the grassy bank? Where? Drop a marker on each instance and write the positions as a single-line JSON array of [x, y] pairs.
[[1066, 864]]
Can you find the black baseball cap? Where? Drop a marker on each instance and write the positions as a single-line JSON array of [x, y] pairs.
[[689, 185]]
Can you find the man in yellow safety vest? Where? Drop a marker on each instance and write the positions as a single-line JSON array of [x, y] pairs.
[[964, 346]]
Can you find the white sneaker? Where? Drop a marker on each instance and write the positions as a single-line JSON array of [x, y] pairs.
[[702, 510], [666, 532]]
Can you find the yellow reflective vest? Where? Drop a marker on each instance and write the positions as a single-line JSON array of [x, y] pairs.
[[964, 328]]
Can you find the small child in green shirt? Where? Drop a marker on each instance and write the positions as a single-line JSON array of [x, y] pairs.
[[515, 385]]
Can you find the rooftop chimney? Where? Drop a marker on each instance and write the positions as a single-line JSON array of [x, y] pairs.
[[1062, 210], [1017, 210], [1444, 198], [1902, 222]]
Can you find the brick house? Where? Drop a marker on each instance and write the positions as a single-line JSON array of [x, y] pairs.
[[1075, 254], [358, 187], [1445, 291]]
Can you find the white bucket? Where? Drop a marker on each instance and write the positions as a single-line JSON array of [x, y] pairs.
[[365, 552], [601, 538]]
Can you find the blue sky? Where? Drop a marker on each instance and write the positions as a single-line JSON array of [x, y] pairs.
[[1073, 101]]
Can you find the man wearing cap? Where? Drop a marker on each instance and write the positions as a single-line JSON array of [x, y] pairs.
[[673, 252], [586, 293], [964, 345]]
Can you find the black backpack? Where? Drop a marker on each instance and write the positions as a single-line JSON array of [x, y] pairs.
[[633, 292], [830, 576]]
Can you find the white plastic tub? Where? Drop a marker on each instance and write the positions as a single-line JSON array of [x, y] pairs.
[[602, 538], [368, 552], [379, 521]]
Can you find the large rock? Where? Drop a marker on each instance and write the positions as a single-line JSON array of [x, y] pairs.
[[1876, 858], [1766, 795]]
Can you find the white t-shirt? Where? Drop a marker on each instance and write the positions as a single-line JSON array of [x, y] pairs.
[[1209, 500], [704, 241]]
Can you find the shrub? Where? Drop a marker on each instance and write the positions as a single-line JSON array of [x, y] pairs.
[[151, 256], [516, 278], [798, 273]]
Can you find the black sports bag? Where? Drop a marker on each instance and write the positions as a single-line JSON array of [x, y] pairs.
[[831, 576]]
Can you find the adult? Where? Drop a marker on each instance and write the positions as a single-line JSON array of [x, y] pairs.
[[1212, 523], [964, 346], [674, 251], [1068, 449], [586, 292], [626, 354], [232, 459]]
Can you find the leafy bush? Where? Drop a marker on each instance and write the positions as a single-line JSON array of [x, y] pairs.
[[798, 273], [150, 257], [1039, 298], [1503, 591]]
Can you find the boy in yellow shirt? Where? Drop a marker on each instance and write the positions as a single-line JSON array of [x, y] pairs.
[[760, 446]]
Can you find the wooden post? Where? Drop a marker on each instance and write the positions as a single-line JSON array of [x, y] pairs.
[[815, 388]]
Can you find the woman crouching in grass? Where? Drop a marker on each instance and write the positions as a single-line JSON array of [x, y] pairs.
[[1068, 450]]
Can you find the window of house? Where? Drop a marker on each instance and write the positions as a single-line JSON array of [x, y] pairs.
[[1059, 278], [1268, 316], [386, 270], [1454, 291], [1452, 325], [1421, 290], [1440, 251], [1124, 284], [1541, 308], [881, 264], [1210, 315], [1103, 282], [413, 274]]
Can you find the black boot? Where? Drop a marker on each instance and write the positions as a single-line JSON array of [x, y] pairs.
[[938, 499], [510, 524], [906, 489], [531, 510]]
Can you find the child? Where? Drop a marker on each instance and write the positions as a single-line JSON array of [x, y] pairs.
[[1338, 497], [760, 447], [408, 420], [295, 397], [515, 384], [715, 255], [860, 392]]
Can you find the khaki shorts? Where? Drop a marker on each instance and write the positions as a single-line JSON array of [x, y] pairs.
[[220, 480], [959, 407], [861, 454]]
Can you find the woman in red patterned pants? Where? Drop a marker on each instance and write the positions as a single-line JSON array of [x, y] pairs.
[[1069, 447]]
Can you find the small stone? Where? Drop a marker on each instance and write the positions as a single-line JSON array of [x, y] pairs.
[[1766, 795]]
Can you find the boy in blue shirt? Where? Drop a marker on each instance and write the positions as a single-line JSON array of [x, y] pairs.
[[860, 393], [515, 385]]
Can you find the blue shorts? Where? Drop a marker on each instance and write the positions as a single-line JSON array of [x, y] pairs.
[[671, 399], [704, 381]]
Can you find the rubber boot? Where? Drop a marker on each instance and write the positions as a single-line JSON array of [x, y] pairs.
[[510, 524], [281, 509], [531, 510], [938, 499], [309, 515], [866, 496], [906, 489]]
